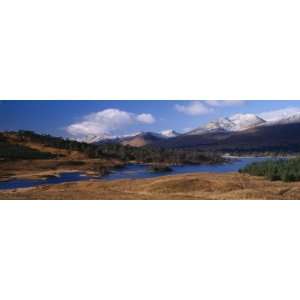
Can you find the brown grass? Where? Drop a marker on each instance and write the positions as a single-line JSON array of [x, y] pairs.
[[189, 186], [67, 161], [15, 139], [30, 169]]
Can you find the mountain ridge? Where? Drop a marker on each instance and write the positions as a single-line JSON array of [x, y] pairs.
[[210, 133], [237, 122]]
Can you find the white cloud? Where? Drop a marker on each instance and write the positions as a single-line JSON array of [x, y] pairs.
[[276, 115], [107, 122], [194, 108], [145, 118], [222, 103], [197, 108]]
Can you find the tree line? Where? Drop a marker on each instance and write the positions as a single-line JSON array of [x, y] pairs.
[[10, 151], [124, 153], [287, 170]]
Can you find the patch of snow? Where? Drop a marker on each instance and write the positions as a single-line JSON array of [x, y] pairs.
[[236, 122], [169, 133], [286, 120], [245, 121]]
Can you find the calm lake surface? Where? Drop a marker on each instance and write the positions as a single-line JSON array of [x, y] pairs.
[[135, 171]]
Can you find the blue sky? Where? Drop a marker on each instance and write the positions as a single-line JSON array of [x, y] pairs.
[[79, 118]]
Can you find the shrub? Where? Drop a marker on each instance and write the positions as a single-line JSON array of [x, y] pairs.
[[13, 152]]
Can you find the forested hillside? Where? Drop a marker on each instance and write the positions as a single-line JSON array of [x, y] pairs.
[[9, 151], [105, 151]]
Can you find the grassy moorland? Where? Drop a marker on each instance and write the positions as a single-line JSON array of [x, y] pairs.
[[27, 157], [189, 186]]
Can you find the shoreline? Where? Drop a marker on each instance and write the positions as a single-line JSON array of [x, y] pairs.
[[260, 156], [43, 169], [210, 186], [88, 174]]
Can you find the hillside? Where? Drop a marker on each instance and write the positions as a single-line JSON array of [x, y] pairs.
[[29, 155], [141, 139], [283, 138], [36, 143], [35, 155]]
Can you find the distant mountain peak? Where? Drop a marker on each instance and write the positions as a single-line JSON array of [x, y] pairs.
[[245, 121], [90, 139], [237, 122], [169, 133], [220, 124]]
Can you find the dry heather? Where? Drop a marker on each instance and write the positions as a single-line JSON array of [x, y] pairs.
[[14, 139], [189, 186]]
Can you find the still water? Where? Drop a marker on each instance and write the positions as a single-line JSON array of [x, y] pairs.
[[134, 171]]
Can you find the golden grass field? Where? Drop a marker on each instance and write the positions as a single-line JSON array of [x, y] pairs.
[[189, 186]]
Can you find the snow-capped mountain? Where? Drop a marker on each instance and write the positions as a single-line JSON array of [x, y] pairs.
[[106, 137], [246, 121], [94, 138], [236, 122], [126, 137], [295, 118], [169, 133]]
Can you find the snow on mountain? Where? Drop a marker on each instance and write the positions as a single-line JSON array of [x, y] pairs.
[[162, 135], [236, 122], [245, 121], [105, 137], [279, 114], [169, 133], [221, 124], [94, 138], [286, 120]]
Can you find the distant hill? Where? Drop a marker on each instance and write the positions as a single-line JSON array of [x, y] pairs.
[[271, 138], [142, 139], [169, 133], [241, 133], [138, 139], [28, 144]]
